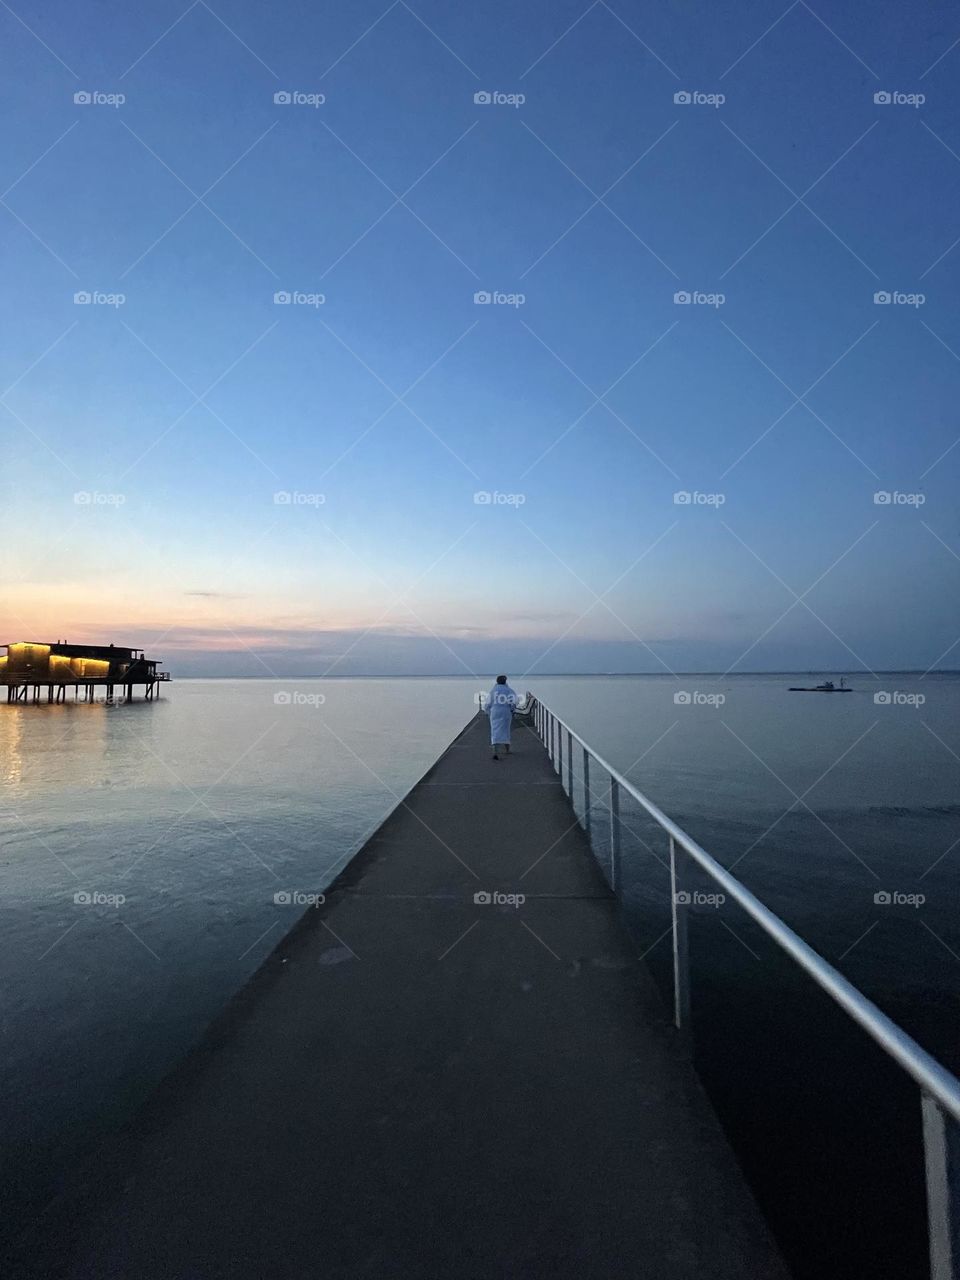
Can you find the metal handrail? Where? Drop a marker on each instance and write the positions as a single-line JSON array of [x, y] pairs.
[[940, 1088]]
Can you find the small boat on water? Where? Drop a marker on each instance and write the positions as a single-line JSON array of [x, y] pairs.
[[827, 687]]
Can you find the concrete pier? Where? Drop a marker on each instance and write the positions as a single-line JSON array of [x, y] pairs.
[[418, 1084]]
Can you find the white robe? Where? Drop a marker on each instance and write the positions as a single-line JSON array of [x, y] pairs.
[[500, 703]]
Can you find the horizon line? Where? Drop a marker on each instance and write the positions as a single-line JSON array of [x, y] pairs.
[[600, 675]]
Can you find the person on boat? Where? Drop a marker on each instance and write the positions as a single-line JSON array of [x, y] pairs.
[[499, 706]]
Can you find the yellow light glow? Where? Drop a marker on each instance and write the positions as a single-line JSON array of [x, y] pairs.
[[89, 668]]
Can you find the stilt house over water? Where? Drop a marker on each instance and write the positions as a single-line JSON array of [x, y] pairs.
[[33, 665]]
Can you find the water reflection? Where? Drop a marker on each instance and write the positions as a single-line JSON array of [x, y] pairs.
[[55, 745], [11, 737]]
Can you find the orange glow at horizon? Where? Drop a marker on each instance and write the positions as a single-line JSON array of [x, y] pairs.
[[211, 622]]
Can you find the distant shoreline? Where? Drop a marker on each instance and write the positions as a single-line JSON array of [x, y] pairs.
[[587, 675]]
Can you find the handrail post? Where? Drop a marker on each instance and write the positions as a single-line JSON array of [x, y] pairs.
[[569, 764], [679, 900], [614, 834], [586, 791], [941, 1150]]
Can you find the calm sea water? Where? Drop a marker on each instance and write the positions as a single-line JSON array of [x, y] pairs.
[[201, 807]]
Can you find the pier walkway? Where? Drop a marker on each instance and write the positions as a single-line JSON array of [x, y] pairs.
[[418, 1084]]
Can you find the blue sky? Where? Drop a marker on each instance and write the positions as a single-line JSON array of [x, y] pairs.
[[178, 415]]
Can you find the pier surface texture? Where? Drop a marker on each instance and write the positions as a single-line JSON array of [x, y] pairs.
[[416, 1084]]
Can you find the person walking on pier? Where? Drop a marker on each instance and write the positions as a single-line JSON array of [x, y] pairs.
[[501, 701]]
